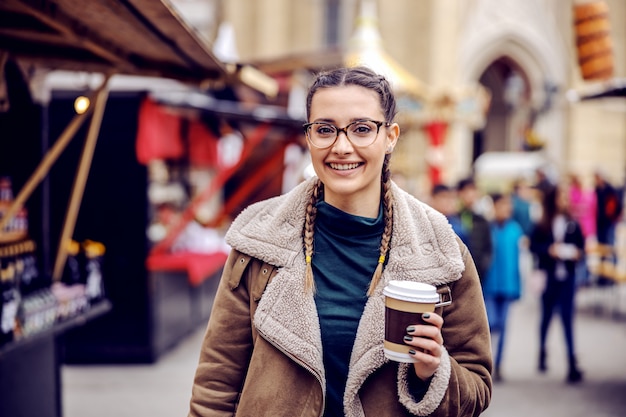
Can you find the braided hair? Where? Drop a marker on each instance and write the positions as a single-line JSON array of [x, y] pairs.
[[362, 77]]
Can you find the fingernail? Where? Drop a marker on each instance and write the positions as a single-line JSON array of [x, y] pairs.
[[410, 329], [426, 315], [412, 352], [408, 338]]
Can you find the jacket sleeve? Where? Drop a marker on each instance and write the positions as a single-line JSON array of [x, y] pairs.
[[462, 385], [227, 345]]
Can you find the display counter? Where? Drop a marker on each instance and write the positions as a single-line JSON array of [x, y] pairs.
[[31, 383]]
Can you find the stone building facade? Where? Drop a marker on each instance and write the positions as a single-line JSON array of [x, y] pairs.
[[524, 52]]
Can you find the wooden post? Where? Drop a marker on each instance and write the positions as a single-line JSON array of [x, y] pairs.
[[81, 179]]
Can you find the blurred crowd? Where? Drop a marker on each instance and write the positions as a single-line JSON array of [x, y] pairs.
[[544, 235]]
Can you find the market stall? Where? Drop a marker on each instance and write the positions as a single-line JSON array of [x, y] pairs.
[[40, 224]]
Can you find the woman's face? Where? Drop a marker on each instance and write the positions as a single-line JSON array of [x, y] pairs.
[[562, 201], [351, 175]]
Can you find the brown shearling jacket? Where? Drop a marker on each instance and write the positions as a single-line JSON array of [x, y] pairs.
[[261, 355]]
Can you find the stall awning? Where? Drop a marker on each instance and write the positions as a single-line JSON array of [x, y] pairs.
[[613, 88], [613, 91], [138, 37]]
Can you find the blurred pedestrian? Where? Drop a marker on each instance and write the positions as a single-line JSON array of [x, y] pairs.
[[443, 199], [527, 212], [583, 210], [582, 206], [558, 243], [522, 201], [543, 183], [502, 284], [475, 231], [609, 209]]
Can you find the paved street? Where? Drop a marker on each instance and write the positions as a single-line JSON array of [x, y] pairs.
[[601, 347], [162, 390]]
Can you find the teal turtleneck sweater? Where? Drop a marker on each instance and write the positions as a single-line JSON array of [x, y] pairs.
[[345, 255]]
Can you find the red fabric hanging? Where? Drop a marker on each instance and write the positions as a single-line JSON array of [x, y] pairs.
[[158, 133], [436, 134], [202, 145]]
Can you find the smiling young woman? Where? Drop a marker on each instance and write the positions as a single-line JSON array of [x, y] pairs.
[[297, 326]]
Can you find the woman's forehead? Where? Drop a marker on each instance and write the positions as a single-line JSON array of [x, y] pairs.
[[345, 99]]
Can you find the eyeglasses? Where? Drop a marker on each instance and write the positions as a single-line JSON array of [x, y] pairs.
[[360, 133]]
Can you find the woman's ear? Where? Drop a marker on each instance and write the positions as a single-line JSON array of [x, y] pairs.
[[393, 133]]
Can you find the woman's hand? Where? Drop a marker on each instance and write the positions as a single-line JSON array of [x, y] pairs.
[[564, 252], [426, 344]]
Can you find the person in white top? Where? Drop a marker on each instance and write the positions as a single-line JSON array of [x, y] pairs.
[[558, 243]]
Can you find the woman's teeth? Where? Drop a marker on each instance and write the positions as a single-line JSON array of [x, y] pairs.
[[343, 167]]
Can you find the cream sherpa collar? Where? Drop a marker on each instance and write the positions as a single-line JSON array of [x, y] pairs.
[[423, 248]]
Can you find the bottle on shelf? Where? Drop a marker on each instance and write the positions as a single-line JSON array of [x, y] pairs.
[[73, 265], [9, 295], [17, 227], [6, 189], [38, 308], [94, 253], [29, 279]]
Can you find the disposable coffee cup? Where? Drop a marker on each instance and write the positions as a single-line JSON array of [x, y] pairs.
[[405, 302]]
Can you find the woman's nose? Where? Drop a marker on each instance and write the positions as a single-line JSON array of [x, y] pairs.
[[342, 144]]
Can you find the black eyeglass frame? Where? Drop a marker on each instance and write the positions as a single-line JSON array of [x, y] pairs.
[[344, 129]]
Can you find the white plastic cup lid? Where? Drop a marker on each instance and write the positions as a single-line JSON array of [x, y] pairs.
[[417, 292]]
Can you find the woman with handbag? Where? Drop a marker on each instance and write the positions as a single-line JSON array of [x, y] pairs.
[[297, 325]]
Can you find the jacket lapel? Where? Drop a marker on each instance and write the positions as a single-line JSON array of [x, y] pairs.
[[286, 316]]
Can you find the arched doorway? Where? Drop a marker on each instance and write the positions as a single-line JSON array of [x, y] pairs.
[[500, 37], [510, 114]]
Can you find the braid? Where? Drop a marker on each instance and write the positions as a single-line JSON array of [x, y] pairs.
[[309, 226], [388, 215]]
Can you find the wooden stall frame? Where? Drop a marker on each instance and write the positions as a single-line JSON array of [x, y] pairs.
[[49, 159], [81, 178]]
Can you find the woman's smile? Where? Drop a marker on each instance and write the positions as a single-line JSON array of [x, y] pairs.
[[344, 166]]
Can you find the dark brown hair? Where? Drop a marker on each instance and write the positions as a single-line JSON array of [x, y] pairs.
[[366, 78], [361, 77]]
